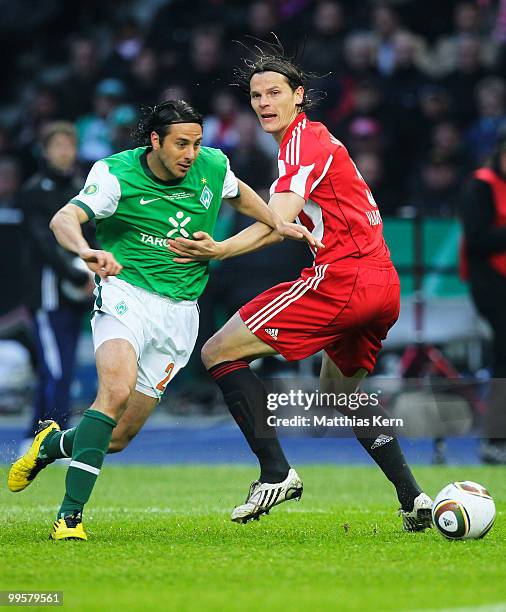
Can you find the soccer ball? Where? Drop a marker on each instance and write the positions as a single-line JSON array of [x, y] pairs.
[[463, 510]]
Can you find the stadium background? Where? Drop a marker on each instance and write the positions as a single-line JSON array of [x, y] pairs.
[[415, 90]]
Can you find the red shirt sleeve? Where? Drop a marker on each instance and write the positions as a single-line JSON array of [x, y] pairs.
[[303, 164]]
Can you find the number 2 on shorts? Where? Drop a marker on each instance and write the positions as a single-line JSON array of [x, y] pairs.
[[163, 383]]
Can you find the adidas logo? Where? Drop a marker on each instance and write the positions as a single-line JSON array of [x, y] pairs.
[[380, 440], [272, 331]]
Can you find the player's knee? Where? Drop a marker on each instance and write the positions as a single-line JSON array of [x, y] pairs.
[[205, 354], [114, 397], [212, 352]]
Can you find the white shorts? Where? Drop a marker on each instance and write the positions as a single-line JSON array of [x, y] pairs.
[[162, 331]]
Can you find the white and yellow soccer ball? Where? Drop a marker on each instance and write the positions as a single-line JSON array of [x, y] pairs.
[[463, 510]]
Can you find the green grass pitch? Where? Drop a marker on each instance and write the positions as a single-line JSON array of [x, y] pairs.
[[160, 538]]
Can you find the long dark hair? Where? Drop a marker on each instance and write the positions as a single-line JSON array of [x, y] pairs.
[[159, 118], [272, 57]]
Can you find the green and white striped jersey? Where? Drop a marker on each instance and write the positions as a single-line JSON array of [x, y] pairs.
[[136, 213]]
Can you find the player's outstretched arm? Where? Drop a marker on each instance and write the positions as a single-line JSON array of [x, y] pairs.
[[255, 237], [249, 203], [66, 226]]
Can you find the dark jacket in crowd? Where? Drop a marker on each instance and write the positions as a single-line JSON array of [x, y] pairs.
[[485, 236], [14, 257], [50, 266], [484, 218]]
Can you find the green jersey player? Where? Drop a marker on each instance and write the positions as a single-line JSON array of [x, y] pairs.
[[145, 318]]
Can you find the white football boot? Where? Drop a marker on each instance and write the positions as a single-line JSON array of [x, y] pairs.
[[420, 518], [262, 496]]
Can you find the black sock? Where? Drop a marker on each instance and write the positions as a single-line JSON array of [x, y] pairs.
[[382, 445], [245, 397]]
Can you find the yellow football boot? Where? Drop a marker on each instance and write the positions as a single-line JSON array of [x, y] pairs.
[[69, 528], [24, 470]]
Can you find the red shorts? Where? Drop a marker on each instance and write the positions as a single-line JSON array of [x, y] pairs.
[[345, 310]]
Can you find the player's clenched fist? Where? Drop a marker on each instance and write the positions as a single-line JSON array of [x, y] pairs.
[[102, 263]]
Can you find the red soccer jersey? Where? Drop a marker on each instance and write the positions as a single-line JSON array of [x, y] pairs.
[[340, 209]]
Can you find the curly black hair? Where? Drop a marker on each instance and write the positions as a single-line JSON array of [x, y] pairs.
[[159, 118], [272, 57]]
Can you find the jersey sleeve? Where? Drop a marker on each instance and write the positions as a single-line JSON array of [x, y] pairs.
[[302, 166], [230, 184], [101, 193]]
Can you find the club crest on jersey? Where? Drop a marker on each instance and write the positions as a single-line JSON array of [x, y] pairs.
[[91, 189], [121, 307], [206, 196]]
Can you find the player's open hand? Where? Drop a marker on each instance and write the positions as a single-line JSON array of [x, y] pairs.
[[298, 232], [102, 263], [203, 247]]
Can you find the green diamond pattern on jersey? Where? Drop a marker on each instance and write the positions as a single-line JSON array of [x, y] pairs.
[[150, 211]]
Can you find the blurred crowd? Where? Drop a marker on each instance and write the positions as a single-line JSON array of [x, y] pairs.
[[415, 90]]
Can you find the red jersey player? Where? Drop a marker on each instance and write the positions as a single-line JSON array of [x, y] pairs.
[[344, 304]]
